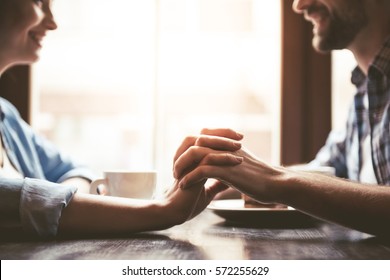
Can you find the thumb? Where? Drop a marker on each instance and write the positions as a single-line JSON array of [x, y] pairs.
[[214, 189]]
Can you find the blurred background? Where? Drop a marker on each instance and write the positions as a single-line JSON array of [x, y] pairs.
[[121, 83]]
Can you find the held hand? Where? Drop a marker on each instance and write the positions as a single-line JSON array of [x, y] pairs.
[[221, 139], [226, 140], [196, 156], [252, 177], [217, 139], [184, 204]]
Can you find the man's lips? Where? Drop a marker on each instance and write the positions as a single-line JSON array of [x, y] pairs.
[[316, 15]]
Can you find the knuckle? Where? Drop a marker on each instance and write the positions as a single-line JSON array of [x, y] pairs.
[[202, 141], [189, 139], [193, 151], [199, 141], [204, 130], [209, 159], [202, 171]]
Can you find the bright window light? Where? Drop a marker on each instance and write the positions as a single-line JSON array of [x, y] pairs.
[[121, 83]]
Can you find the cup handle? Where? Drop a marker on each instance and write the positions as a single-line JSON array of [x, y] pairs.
[[95, 184]]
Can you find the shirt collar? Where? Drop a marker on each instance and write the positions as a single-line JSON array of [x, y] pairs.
[[382, 60], [358, 78], [380, 67]]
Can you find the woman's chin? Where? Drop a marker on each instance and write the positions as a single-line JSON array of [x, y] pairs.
[[29, 60], [34, 58]]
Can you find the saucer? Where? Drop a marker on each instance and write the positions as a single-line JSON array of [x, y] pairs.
[[235, 212]]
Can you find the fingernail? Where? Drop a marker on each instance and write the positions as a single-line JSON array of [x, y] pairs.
[[237, 145], [240, 135], [182, 185], [239, 159]]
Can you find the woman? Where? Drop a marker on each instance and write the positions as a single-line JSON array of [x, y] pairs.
[[41, 191]]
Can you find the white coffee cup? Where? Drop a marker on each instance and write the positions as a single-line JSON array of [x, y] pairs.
[[130, 184]]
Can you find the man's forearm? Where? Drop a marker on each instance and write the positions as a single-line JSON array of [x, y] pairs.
[[355, 205]]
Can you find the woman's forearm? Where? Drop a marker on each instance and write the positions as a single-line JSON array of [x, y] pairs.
[[93, 214], [88, 214], [82, 184]]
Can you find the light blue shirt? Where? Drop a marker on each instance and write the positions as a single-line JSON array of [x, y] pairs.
[[34, 203]]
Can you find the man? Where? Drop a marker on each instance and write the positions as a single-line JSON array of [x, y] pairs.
[[361, 153], [362, 27]]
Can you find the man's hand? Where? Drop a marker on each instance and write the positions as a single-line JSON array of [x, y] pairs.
[[207, 139], [222, 139]]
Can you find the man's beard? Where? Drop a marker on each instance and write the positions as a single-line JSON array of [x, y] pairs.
[[341, 31]]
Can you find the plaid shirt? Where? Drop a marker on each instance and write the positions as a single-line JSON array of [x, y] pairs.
[[343, 149]]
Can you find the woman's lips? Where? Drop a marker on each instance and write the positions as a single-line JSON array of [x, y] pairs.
[[37, 38]]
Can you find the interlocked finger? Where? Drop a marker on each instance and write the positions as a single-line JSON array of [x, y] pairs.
[[218, 143], [189, 159], [222, 132], [188, 142], [221, 159]]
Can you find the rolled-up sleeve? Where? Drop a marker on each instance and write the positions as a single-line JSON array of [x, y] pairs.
[[34, 204], [333, 153], [41, 205], [10, 192]]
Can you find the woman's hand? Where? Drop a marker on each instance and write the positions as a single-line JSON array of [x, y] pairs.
[[219, 139], [184, 204], [180, 205]]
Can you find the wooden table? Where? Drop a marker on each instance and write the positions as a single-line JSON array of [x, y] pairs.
[[209, 237]]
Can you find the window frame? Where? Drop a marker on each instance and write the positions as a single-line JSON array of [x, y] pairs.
[[15, 86], [305, 91]]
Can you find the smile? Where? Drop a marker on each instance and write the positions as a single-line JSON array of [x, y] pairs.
[[318, 20], [316, 15], [36, 38]]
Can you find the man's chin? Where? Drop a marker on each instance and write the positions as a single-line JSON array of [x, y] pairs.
[[326, 44], [320, 46]]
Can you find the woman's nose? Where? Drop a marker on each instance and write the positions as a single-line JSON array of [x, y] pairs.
[[49, 20]]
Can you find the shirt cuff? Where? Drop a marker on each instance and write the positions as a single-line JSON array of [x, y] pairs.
[[41, 205]]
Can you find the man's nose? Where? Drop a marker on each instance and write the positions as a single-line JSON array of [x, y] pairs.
[[299, 6]]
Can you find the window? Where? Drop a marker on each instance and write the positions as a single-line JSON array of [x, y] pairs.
[[343, 90], [120, 85]]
